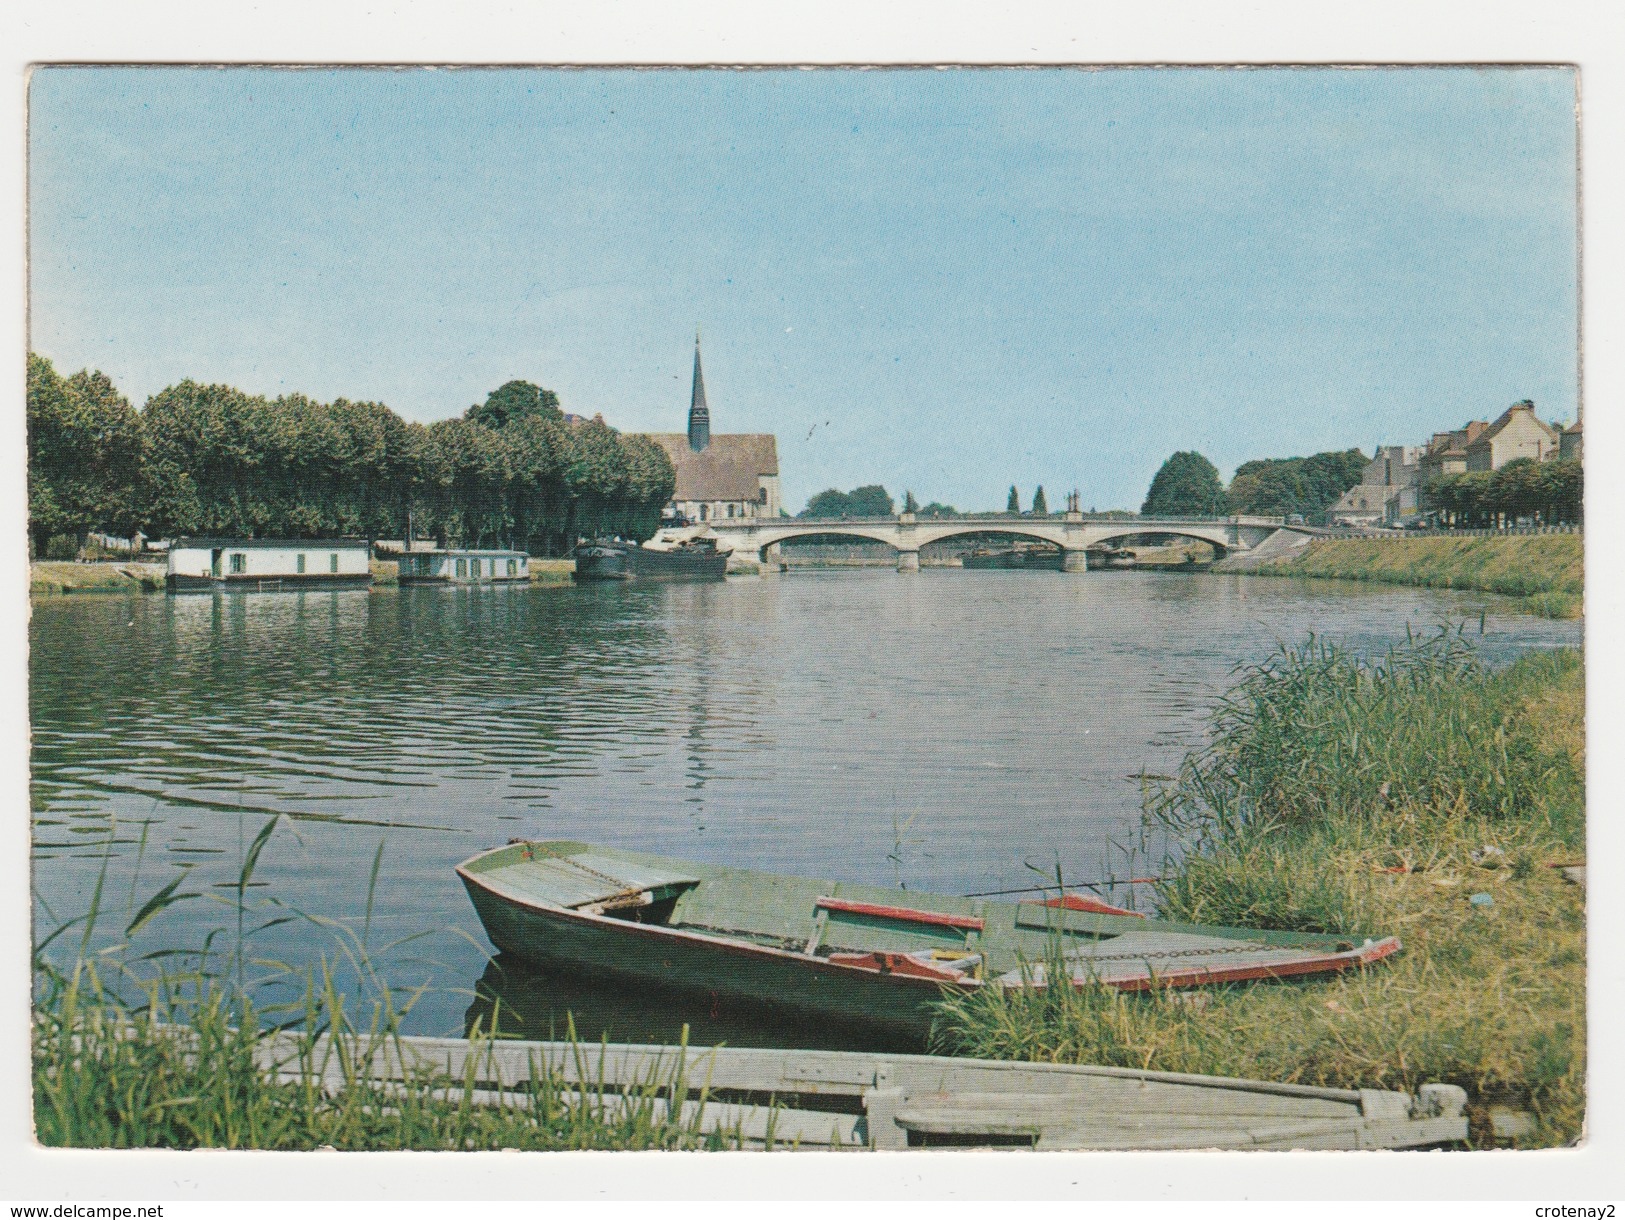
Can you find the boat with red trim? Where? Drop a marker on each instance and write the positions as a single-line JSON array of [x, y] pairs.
[[851, 952]]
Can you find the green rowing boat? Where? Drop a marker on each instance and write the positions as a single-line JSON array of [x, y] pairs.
[[858, 953]]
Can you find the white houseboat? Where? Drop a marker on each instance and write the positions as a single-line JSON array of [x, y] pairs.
[[464, 567], [259, 565]]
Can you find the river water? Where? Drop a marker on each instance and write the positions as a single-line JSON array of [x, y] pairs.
[[950, 731]]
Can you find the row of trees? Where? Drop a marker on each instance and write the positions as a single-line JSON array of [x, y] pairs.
[[1549, 493], [872, 500], [1187, 484], [1280, 487], [213, 460], [875, 501]]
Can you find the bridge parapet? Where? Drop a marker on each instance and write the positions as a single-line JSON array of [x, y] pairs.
[[1145, 525], [1072, 533]]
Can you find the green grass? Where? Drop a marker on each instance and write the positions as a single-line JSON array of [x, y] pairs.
[[1346, 795], [551, 571], [52, 579], [172, 1049], [1546, 570], [197, 1076]]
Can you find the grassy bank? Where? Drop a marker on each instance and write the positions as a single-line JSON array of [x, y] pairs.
[[551, 571], [1546, 570], [52, 579], [174, 1048], [195, 1075], [1371, 797]]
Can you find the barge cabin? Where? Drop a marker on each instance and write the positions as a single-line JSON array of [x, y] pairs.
[[458, 567], [265, 565]]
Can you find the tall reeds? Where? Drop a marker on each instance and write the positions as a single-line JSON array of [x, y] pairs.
[[178, 1048], [1366, 795]]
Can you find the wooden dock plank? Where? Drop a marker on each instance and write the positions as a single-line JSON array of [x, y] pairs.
[[792, 1094]]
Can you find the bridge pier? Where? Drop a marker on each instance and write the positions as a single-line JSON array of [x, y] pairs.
[[908, 561], [1074, 559]]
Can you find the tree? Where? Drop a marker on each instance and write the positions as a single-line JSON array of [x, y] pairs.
[[1187, 485], [934, 509], [826, 504], [872, 500], [1040, 507], [1281, 486], [513, 401], [1562, 485], [910, 504], [1013, 505], [86, 456], [1515, 490]]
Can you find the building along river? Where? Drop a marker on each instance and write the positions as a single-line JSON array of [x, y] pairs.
[[951, 731]]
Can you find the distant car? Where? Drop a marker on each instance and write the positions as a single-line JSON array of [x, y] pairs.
[[1419, 523], [1294, 519]]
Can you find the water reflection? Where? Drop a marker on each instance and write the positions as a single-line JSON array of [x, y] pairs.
[[948, 731], [525, 1002]]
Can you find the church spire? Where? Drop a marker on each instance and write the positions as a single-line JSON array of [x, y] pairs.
[[699, 415]]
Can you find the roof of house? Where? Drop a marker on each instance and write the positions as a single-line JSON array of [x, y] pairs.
[[463, 553], [731, 467], [306, 544], [1455, 442], [1361, 498], [1506, 418], [1573, 428]]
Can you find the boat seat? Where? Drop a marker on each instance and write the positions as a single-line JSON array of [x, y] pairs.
[[759, 905], [586, 879]]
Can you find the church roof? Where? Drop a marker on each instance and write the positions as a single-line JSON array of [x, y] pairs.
[[697, 398], [730, 467]]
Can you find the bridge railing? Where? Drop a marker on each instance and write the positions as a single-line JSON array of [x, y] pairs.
[[1485, 532], [992, 519]]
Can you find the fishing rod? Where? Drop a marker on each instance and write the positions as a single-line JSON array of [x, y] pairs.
[[1087, 885]]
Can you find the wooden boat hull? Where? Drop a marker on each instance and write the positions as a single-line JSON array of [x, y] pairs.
[[1015, 561], [695, 962], [853, 953]]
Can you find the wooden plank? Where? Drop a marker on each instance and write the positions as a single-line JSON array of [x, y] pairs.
[[752, 1123], [901, 914], [848, 1074], [984, 1115], [1302, 1136], [1060, 1105]]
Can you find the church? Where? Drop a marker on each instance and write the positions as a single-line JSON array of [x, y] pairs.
[[729, 474]]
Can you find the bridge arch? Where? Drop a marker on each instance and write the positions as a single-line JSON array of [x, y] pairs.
[[1220, 548], [1014, 532], [830, 529]]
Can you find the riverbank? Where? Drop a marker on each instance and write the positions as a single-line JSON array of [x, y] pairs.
[[1432, 800], [48, 578], [195, 1075], [53, 579], [1545, 571]]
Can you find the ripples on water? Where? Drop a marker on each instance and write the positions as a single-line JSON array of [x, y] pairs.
[[948, 731]]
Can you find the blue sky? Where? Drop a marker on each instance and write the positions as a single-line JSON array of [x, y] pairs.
[[945, 281]]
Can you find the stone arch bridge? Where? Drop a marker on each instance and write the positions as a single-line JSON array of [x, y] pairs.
[[1073, 533]]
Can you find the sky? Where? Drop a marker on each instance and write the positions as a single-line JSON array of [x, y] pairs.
[[944, 281]]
